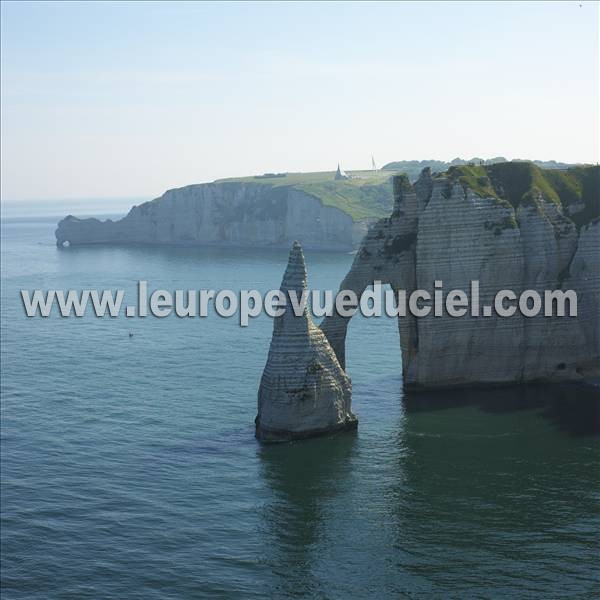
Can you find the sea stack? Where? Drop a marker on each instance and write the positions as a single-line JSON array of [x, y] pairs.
[[304, 391]]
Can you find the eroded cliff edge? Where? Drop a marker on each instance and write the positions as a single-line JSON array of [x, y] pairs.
[[224, 213], [509, 226]]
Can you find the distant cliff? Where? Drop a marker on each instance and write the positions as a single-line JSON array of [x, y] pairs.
[[509, 226], [271, 210]]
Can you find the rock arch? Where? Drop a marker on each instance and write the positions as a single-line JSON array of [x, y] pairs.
[[442, 230]]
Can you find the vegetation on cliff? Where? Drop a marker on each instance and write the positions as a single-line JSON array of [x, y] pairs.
[[576, 189], [412, 168], [369, 195], [366, 195]]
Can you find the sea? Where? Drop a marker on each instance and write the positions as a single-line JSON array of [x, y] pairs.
[[129, 467]]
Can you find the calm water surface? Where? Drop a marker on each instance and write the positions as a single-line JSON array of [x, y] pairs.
[[130, 470]]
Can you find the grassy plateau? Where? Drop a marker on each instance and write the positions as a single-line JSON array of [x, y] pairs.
[[368, 194]]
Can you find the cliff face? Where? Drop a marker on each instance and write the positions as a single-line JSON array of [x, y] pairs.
[[507, 228], [223, 213], [303, 391], [441, 229]]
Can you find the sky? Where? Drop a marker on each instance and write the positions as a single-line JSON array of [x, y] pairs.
[[131, 99]]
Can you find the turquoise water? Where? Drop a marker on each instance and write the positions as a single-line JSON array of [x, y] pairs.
[[130, 470]]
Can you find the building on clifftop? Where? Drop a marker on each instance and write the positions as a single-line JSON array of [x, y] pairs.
[[340, 173]]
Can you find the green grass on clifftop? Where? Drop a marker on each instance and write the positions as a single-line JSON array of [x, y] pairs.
[[521, 182], [368, 195]]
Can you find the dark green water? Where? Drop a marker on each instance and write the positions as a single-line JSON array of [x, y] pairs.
[[129, 467]]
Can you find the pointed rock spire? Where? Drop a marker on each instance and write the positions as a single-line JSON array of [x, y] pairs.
[[294, 277], [294, 287], [303, 391]]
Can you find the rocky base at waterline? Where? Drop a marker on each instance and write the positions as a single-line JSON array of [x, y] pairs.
[[269, 436], [304, 391]]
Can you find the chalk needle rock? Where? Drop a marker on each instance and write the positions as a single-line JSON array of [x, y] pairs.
[[304, 391]]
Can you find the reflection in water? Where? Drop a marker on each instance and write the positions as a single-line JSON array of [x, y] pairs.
[[493, 498], [185, 255], [303, 477], [477, 492], [572, 408]]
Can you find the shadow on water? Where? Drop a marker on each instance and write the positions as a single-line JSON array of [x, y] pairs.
[[570, 407], [494, 499], [462, 493]]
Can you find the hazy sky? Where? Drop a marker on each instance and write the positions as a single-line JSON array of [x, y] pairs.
[[130, 99]]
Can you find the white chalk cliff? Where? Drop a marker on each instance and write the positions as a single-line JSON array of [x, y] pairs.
[[507, 226], [303, 391], [223, 213], [441, 229]]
